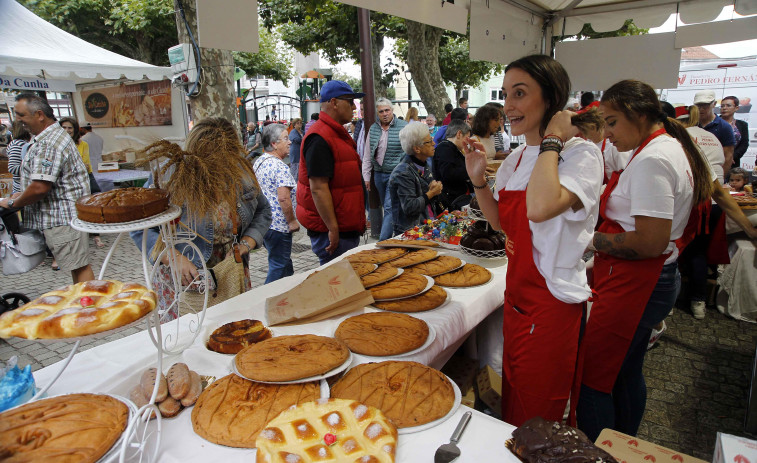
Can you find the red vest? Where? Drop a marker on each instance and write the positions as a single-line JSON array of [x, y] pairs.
[[346, 185]]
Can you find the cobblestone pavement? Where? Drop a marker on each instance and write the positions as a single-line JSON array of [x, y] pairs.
[[697, 376]]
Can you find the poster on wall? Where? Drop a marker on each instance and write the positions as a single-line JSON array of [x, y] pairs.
[[128, 105]]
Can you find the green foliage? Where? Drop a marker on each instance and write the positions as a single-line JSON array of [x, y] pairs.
[[139, 29], [354, 82], [628, 28], [273, 60]]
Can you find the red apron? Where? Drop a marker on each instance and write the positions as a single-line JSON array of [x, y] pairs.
[[540, 354], [622, 289]]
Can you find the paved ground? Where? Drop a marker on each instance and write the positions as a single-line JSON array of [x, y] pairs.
[[698, 376]]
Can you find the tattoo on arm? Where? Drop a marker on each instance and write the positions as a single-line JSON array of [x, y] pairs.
[[616, 247]]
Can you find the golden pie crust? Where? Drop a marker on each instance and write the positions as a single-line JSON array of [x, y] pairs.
[[469, 275], [431, 299], [74, 428], [414, 257], [233, 410], [382, 333], [377, 256], [438, 266], [362, 268], [297, 434], [409, 393], [290, 358], [400, 243], [382, 274], [405, 285]]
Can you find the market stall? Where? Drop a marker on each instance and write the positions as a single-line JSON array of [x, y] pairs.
[[115, 367]]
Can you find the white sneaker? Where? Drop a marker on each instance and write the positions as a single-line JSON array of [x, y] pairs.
[[697, 308], [656, 335]]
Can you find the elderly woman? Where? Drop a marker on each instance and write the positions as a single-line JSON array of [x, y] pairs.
[[221, 202], [412, 186]]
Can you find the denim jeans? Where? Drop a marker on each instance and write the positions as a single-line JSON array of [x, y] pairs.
[[320, 242], [381, 180], [623, 409], [279, 246]]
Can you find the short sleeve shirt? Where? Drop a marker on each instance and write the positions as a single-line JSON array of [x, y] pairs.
[[53, 157], [722, 130], [272, 173]]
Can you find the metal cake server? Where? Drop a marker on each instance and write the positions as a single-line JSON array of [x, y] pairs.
[[449, 452]]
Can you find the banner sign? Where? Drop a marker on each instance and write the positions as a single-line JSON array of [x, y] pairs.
[[36, 84], [133, 105]]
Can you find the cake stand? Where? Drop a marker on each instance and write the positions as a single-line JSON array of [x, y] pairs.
[[489, 256]]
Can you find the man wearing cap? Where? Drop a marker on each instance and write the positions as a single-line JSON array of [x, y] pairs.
[[330, 192], [711, 122]]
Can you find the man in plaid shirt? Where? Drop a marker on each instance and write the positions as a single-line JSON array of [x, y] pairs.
[[53, 177]]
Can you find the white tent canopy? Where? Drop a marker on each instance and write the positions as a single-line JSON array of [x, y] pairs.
[[33, 47]]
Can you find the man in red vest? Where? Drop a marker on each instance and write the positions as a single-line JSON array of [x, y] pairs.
[[330, 190]]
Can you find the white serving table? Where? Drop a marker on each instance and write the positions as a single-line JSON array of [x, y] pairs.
[[738, 295], [116, 367]]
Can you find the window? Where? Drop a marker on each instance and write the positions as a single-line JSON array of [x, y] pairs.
[[496, 94], [465, 94], [61, 104]]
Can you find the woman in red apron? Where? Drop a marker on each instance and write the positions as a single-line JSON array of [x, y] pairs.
[[645, 209], [547, 204]]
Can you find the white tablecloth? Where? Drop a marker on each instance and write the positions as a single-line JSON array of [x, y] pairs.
[[106, 180], [738, 295], [115, 367]]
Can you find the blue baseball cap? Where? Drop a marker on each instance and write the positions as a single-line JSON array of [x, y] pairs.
[[337, 88]]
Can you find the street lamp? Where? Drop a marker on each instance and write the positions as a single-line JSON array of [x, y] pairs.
[[253, 86], [409, 77]]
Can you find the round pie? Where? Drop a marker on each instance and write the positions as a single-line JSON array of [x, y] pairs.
[[72, 428], [414, 257], [376, 256], [431, 299], [405, 285], [432, 268], [235, 336], [362, 268], [409, 243], [356, 432], [290, 358], [409, 393], [382, 333], [77, 310], [382, 274], [469, 275], [233, 410]]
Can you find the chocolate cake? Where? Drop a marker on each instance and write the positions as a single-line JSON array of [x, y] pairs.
[[482, 237], [122, 205], [542, 441]]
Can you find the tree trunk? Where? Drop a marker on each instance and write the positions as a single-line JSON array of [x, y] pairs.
[[423, 61], [216, 97], [379, 84]]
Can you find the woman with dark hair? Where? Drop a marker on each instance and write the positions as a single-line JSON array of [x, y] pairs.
[[221, 203], [295, 136], [485, 125], [547, 204], [728, 107], [21, 137], [645, 210]]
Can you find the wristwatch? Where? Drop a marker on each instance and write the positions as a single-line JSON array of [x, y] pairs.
[[11, 202]]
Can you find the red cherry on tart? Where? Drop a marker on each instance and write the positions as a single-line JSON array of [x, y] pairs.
[[86, 301], [329, 439]]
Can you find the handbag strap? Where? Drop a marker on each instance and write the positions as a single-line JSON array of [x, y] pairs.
[[235, 246]]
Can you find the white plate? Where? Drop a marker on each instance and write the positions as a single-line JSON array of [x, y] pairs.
[[423, 427], [446, 301], [328, 374], [429, 284], [429, 340], [400, 271]]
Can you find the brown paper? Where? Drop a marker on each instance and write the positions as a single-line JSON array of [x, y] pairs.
[[332, 291]]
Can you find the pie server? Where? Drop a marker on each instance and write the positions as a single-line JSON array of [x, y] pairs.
[[449, 452]]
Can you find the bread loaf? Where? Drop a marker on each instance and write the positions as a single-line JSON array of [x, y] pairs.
[[147, 384], [169, 407], [178, 380], [195, 389]]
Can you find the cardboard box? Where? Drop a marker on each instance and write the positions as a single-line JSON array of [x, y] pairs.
[[107, 167], [462, 371], [629, 449], [734, 449], [332, 291], [489, 385]]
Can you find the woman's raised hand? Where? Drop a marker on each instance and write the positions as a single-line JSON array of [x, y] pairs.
[[561, 125], [475, 159]]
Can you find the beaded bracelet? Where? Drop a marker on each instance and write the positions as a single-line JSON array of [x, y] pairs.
[[479, 187]]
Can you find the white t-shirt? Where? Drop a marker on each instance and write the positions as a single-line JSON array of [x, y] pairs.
[[657, 183], [711, 148], [614, 160], [559, 243], [488, 143]]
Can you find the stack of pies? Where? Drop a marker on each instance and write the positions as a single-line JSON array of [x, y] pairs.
[[382, 274], [382, 334], [414, 258], [232, 410], [429, 300], [469, 275], [408, 393], [376, 256], [438, 266], [74, 427], [328, 430], [363, 268], [290, 358], [405, 285]]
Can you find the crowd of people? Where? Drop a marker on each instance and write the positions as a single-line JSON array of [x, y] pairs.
[[626, 179]]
